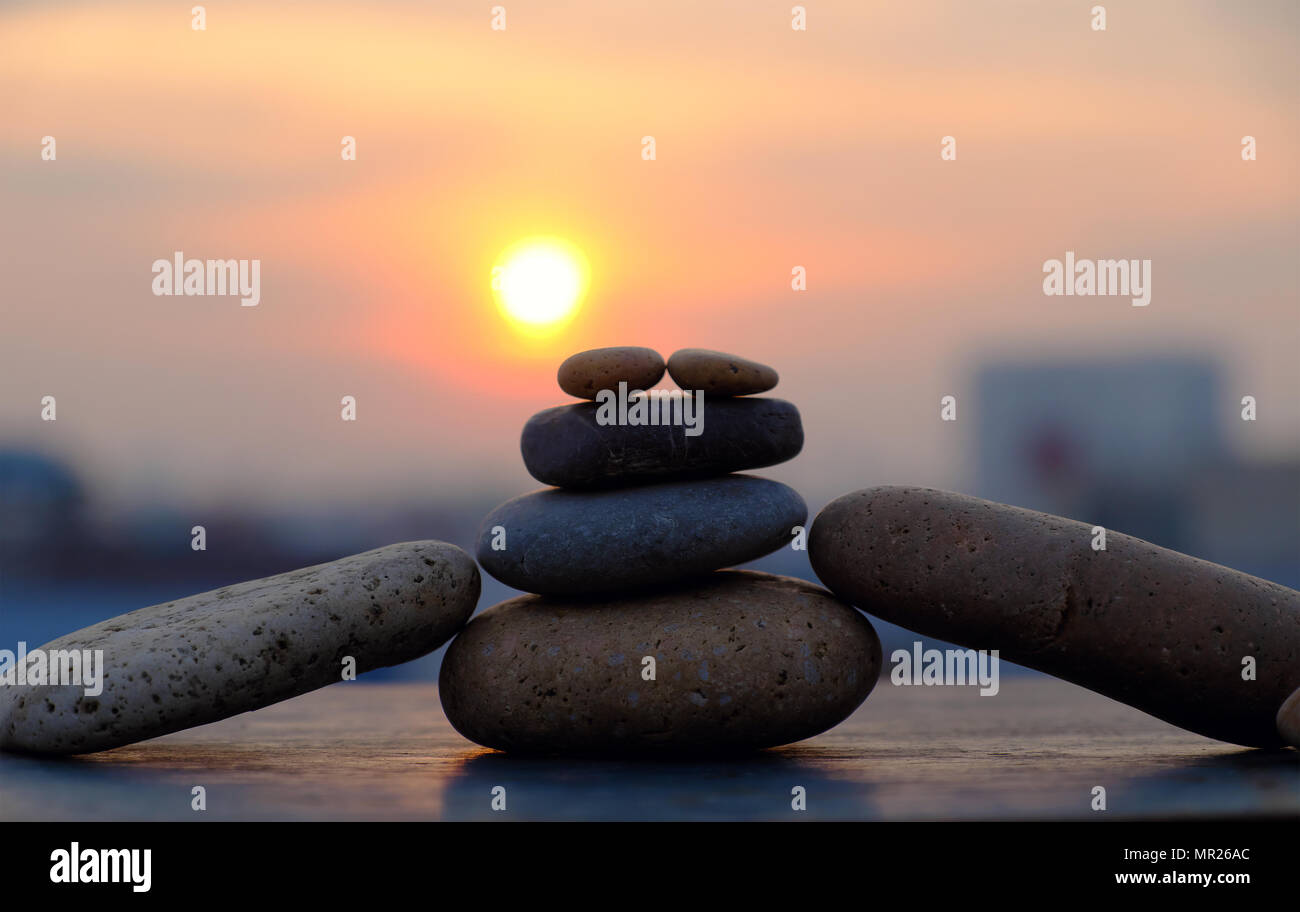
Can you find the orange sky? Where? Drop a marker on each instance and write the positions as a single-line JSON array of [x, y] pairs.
[[775, 148]]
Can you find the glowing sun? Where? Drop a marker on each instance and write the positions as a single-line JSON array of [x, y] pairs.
[[539, 283]]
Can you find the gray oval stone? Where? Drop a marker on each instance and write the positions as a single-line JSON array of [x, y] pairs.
[[558, 542], [1158, 630], [741, 661], [718, 373], [587, 373], [210, 656], [567, 447]]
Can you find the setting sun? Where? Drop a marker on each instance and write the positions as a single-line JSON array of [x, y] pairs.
[[539, 283]]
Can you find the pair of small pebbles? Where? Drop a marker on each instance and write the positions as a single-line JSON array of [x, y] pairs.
[[714, 373]]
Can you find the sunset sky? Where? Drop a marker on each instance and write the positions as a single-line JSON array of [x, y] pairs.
[[775, 148]]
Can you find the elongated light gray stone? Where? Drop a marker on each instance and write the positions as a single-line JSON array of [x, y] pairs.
[[1199, 645], [214, 655]]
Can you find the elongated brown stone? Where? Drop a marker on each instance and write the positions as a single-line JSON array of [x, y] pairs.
[[1288, 719], [1164, 632], [214, 655]]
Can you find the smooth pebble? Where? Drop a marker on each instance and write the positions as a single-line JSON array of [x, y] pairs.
[[740, 661], [561, 542], [718, 373], [587, 373]]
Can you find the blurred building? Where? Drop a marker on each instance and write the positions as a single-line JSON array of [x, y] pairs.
[[41, 509], [1139, 446]]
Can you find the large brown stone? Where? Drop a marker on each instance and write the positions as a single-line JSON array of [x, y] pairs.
[[743, 660], [1161, 631]]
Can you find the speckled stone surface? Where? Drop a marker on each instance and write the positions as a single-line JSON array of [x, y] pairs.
[[718, 373], [209, 656], [561, 542], [587, 373], [742, 661], [1150, 627], [1288, 720], [564, 446]]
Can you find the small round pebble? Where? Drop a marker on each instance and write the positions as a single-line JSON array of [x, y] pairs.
[[719, 374], [740, 661], [587, 373]]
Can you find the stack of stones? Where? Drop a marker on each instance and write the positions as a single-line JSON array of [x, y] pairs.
[[635, 639]]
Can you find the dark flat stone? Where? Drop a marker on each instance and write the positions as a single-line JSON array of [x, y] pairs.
[[561, 542], [565, 447]]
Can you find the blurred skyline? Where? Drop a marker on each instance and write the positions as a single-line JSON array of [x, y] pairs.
[[775, 149]]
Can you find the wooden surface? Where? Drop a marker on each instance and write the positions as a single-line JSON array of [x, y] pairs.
[[385, 751]]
